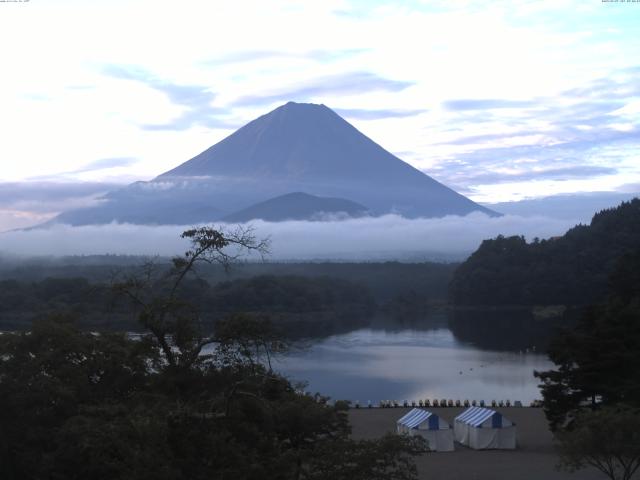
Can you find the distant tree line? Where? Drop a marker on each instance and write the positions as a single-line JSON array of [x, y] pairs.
[[306, 305], [568, 270], [385, 280], [291, 297]]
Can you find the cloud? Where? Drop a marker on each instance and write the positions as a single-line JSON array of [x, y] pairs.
[[106, 163], [568, 149], [342, 84], [364, 114], [630, 188], [127, 73], [245, 56], [13, 219], [586, 132], [485, 104], [560, 173], [24, 204], [203, 117], [578, 207], [330, 55], [388, 237], [196, 99], [574, 171], [255, 55], [45, 196], [488, 137], [361, 9], [608, 88], [65, 178]]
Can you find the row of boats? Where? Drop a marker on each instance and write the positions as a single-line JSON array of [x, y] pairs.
[[446, 403]]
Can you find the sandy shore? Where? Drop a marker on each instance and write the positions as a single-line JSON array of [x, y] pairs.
[[534, 458]]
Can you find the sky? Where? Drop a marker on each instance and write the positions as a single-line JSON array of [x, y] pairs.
[[500, 100]]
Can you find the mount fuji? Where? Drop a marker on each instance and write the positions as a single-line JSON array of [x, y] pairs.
[[296, 148]]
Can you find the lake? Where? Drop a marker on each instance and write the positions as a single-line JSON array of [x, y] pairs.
[[410, 364]]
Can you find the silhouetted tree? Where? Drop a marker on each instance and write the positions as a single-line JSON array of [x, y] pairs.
[[156, 295], [598, 360], [607, 439]]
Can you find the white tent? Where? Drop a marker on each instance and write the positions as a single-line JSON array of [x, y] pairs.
[[428, 425], [482, 428]]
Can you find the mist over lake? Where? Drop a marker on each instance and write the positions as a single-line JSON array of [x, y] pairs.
[[389, 237]]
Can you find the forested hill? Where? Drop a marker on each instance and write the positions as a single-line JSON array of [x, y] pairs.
[[568, 270]]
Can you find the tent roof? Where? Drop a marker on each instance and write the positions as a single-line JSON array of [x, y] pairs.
[[415, 417], [476, 416]]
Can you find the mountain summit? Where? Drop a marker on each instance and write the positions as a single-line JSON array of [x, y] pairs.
[[299, 141], [297, 147]]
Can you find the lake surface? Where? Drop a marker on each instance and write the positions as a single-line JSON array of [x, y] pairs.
[[373, 364]]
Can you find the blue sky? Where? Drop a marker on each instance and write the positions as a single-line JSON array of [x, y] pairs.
[[499, 100]]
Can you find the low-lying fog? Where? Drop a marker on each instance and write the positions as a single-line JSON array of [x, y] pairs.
[[381, 238]]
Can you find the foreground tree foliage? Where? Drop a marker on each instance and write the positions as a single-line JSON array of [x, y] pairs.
[[592, 399], [598, 361], [389, 457], [175, 403], [607, 439]]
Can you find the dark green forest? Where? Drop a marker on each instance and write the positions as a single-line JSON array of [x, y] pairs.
[[569, 270], [385, 280], [307, 302], [95, 306]]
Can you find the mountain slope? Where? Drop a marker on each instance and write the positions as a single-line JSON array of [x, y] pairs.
[[294, 148], [297, 206], [304, 142]]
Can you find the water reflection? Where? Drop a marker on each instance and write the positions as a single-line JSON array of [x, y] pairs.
[[506, 329], [372, 364]]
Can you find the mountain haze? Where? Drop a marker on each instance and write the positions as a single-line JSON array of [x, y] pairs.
[[295, 148]]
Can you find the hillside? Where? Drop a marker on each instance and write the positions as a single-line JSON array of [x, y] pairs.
[[570, 270], [297, 206]]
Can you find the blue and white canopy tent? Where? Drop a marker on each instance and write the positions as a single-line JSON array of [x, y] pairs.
[[483, 428], [428, 425]]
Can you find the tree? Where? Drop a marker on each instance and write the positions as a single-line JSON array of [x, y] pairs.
[[54, 374], [176, 403], [597, 361], [591, 400], [156, 295], [388, 457], [607, 439], [245, 339]]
